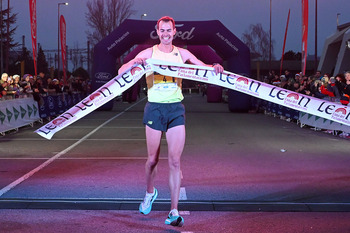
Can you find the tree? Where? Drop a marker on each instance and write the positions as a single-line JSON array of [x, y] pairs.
[[104, 16], [258, 42], [41, 62], [27, 58], [81, 72], [292, 56], [6, 40]]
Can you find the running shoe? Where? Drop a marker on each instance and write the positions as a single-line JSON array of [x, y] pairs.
[[146, 206], [174, 219]]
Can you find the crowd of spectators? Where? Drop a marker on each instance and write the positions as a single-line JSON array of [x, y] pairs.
[[323, 86], [30, 85]]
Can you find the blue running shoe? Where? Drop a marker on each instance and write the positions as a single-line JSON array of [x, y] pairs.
[[146, 206], [174, 219]]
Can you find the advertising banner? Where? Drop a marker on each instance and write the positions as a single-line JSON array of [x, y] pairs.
[[17, 113], [329, 110], [63, 47], [305, 28], [33, 27]]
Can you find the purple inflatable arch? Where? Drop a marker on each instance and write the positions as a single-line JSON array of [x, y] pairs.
[[210, 41]]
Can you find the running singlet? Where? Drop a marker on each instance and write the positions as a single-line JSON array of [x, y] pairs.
[[164, 89]]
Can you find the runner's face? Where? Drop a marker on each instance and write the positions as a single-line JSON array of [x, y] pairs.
[[166, 32]]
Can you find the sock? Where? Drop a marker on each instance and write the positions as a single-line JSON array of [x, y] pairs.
[[150, 194], [174, 212]]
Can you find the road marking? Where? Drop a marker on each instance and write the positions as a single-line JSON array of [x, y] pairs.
[[43, 165], [120, 119], [108, 127], [76, 139], [182, 195], [184, 212], [86, 158]]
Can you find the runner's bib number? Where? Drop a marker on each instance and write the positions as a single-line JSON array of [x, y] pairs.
[[164, 83]]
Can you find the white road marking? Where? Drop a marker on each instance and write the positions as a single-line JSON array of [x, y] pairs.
[[76, 139], [185, 212], [108, 127], [85, 158], [183, 195], [43, 165]]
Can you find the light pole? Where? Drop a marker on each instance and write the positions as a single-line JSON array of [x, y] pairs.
[[316, 59], [270, 52], [143, 15], [58, 38]]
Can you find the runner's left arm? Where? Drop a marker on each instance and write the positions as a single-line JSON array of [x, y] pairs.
[[187, 56]]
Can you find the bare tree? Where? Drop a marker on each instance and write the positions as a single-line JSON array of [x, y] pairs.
[[258, 42], [104, 16]]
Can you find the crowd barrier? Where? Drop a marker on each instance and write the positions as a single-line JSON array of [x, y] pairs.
[[321, 123], [280, 110], [53, 105], [303, 118], [17, 113]]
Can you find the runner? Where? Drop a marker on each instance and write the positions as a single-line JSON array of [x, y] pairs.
[[164, 112]]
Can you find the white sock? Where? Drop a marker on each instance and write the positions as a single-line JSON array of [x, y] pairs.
[[174, 212], [150, 194]]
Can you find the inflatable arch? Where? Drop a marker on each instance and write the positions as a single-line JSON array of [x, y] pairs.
[[202, 38]]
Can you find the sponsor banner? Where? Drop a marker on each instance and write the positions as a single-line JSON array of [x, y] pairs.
[[63, 47], [33, 27], [284, 42], [17, 113], [53, 105], [122, 82]]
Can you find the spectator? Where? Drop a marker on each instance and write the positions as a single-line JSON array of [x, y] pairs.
[[4, 77], [38, 89], [297, 78], [276, 80], [333, 89], [16, 85], [272, 75], [346, 91], [290, 84], [324, 86], [55, 84], [3, 85], [25, 84], [315, 89], [288, 74], [318, 75], [284, 82], [340, 83]]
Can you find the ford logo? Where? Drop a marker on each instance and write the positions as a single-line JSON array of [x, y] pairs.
[[103, 76]]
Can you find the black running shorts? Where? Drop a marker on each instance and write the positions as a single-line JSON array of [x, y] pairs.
[[163, 116]]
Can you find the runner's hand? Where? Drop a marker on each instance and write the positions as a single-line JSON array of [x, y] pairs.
[[140, 61], [218, 68]]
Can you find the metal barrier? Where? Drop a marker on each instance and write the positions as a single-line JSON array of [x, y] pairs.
[[16, 113]]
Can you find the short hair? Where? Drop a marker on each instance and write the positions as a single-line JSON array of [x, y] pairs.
[[166, 19]]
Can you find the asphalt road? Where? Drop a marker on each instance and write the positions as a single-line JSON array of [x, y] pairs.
[[241, 173]]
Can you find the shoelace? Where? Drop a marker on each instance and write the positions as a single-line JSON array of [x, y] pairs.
[[147, 200]]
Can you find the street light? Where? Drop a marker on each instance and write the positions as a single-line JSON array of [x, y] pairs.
[[270, 41], [58, 38], [143, 15], [338, 19]]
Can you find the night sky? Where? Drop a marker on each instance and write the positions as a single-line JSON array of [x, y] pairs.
[[236, 15]]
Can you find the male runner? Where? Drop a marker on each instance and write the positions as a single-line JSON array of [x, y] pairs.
[[164, 112]]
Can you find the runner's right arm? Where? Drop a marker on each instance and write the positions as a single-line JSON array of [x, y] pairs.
[[139, 59]]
